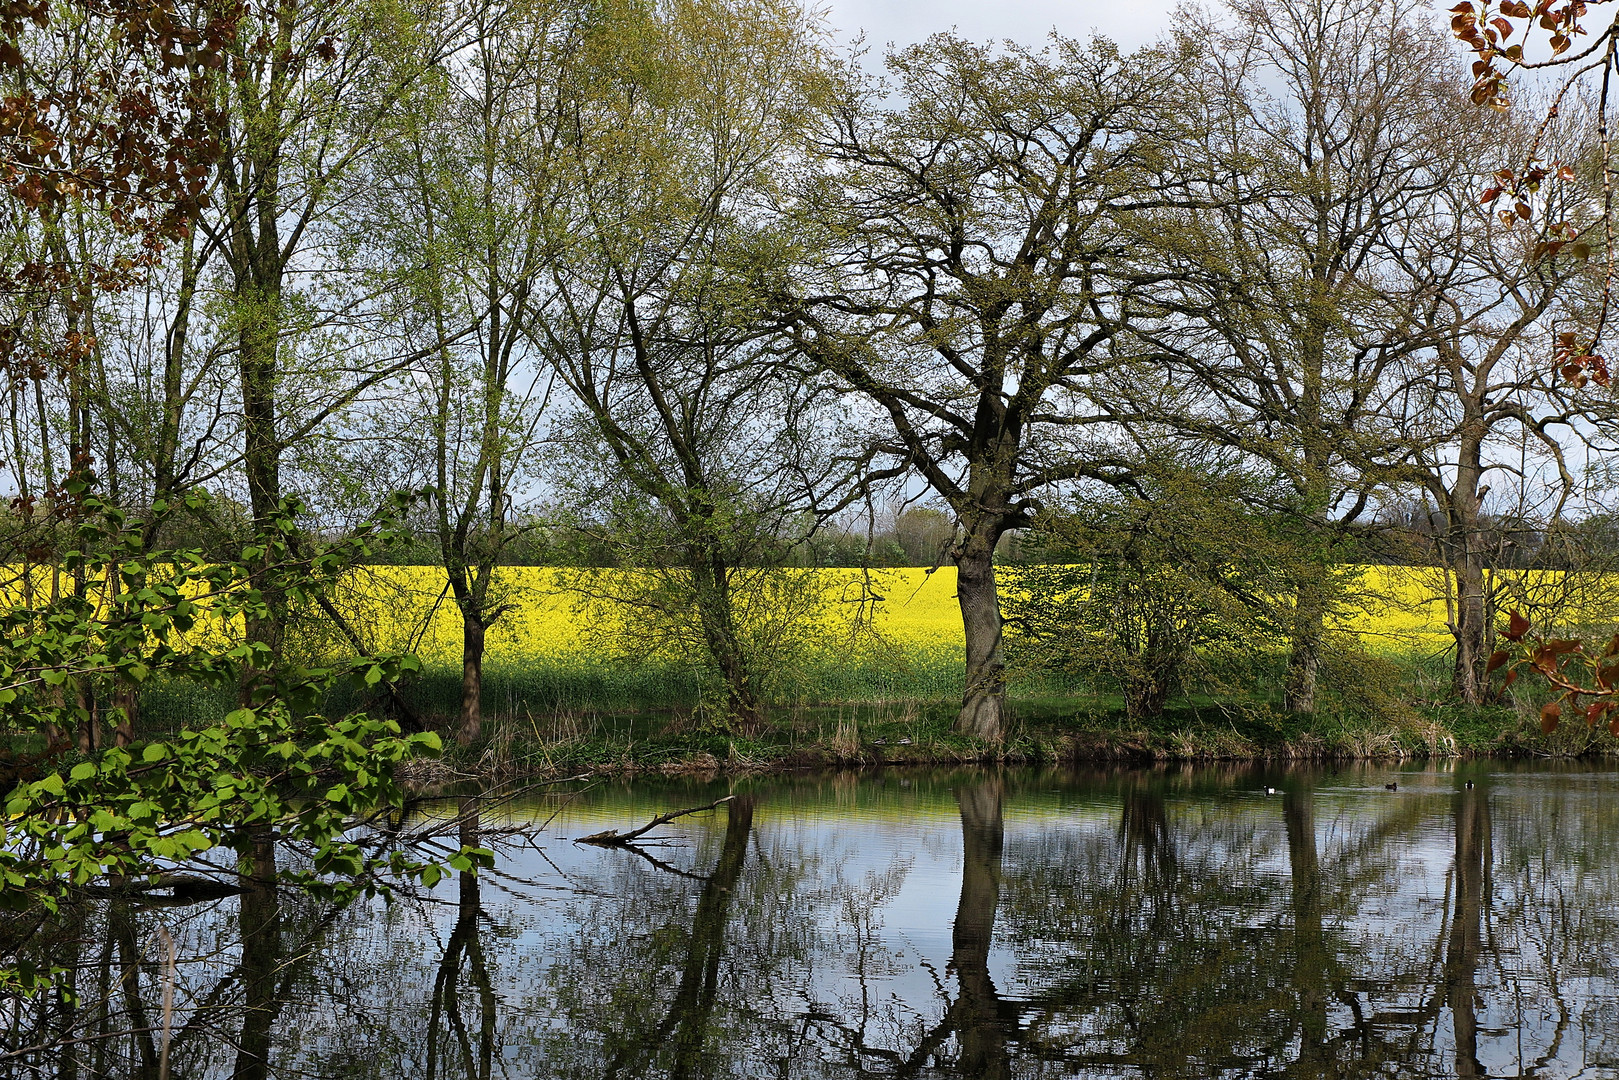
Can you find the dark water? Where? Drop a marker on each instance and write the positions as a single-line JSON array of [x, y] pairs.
[[1176, 923]]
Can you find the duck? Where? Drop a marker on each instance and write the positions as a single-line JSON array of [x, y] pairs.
[[1468, 785], [1392, 785], [1271, 791]]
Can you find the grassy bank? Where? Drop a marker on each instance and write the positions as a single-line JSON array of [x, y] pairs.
[[574, 712], [1045, 730], [566, 719]]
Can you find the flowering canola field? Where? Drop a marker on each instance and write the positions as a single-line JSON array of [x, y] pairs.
[[409, 608], [1392, 609]]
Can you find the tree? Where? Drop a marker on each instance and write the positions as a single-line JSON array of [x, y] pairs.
[[301, 97], [690, 449], [1287, 321], [105, 144], [977, 256], [1487, 28], [455, 204]]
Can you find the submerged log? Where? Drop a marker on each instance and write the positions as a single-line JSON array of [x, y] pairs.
[[614, 838]]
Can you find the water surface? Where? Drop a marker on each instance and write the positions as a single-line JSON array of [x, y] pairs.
[[968, 923]]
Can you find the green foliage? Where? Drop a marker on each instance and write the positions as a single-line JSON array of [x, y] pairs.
[[273, 767], [1149, 582]]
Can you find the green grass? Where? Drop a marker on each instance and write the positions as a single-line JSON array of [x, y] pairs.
[[549, 717]]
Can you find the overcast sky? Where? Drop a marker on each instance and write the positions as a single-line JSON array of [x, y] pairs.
[[1131, 23]]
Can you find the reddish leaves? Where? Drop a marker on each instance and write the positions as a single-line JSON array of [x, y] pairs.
[[125, 127], [1569, 668], [1577, 364]]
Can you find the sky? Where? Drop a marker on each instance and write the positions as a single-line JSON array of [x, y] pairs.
[[1131, 23]]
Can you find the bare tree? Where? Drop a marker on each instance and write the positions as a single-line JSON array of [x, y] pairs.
[[1489, 301]]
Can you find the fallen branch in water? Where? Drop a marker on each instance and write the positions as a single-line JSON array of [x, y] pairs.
[[613, 838]]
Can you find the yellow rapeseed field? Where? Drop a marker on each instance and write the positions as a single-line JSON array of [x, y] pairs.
[[1392, 609], [408, 608]]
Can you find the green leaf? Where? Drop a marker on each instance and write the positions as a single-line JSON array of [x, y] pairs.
[[84, 770], [431, 875]]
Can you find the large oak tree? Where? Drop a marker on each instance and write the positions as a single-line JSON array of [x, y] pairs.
[[976, 247]]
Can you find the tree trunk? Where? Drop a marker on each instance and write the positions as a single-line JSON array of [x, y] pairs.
[[983, 703], [121, 926], [262, 462], [126, 705], [1304, 656], [464, 940], [1466, 557], [1310, 958], [711, 582], [472, 638], [90, 719], [693, 1005]]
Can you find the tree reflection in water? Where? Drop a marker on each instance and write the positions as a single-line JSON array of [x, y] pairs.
[[993, 924], [465, 943]]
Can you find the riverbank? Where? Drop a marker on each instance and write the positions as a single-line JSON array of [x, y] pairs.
[[1042, 732]]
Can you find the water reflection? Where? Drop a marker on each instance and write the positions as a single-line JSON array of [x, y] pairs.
[[1171, 923], [464, 947]]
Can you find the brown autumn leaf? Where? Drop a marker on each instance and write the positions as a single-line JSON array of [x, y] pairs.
[[1497, 658], [1550, 713], [1517, 627], [1594, 711]]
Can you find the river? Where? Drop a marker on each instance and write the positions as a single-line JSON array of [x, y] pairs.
[[1184, 922]]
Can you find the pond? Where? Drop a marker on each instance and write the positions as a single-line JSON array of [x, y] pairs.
[[1182, 922]]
